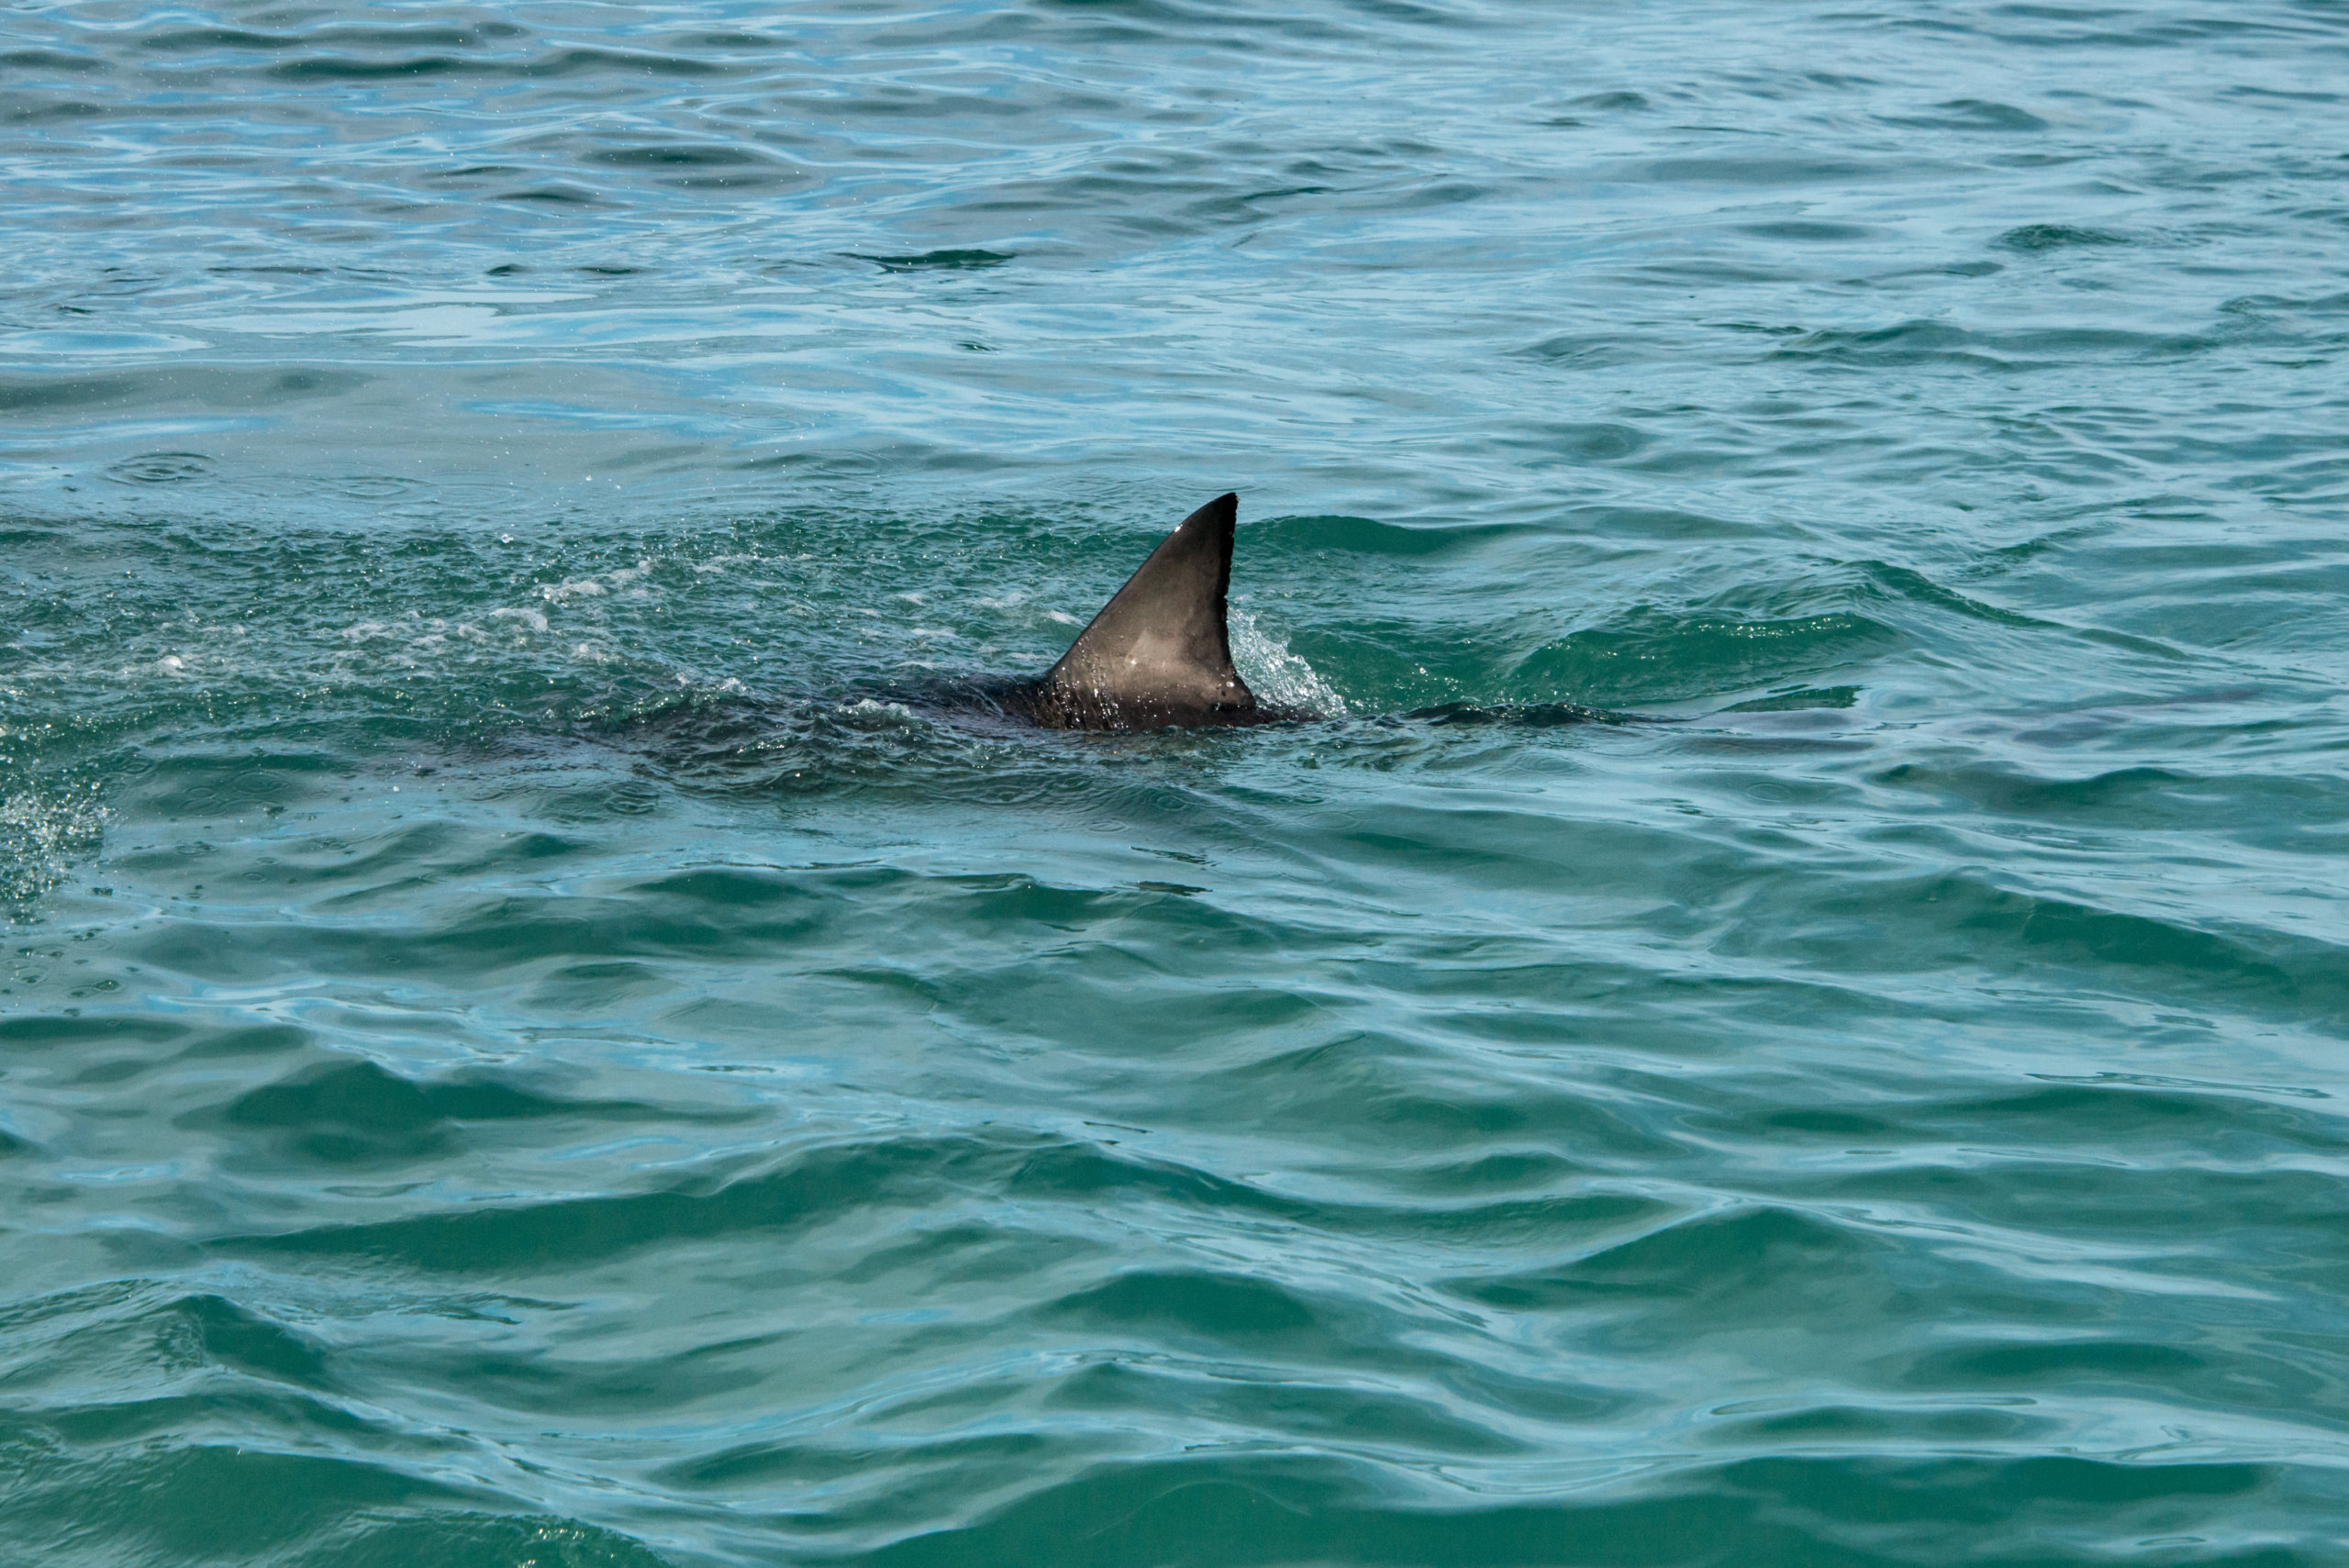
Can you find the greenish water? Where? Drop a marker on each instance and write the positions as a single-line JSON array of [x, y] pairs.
[[1790, 1013]]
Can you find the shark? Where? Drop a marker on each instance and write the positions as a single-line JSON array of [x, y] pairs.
[[1156, 657]]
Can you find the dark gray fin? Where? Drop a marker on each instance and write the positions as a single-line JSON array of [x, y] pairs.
[[1159, 652]]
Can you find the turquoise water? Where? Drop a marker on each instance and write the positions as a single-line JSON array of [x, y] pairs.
[[1790, 1012]]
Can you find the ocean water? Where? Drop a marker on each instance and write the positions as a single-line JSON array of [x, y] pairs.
[[1791, 1010]]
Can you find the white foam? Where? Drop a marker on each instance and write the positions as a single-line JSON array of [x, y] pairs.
[[594, 587], [1278, 677]]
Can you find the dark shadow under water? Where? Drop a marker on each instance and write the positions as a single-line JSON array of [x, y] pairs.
[[953, 723]]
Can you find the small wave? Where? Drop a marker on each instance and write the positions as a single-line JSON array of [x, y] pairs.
[[1652, 657], [1523, 716], [2057, 237], [1801, 698], [938, 260], [1970, 114]]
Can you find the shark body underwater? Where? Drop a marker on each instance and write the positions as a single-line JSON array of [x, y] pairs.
[[1159, 654]]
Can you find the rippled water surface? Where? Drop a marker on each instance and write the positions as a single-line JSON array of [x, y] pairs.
[[1789, 1012]]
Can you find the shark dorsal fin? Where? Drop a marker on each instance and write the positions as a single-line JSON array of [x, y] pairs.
[[1159, 652]]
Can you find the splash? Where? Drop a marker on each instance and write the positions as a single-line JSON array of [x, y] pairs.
[[43, 831], [1278, 677]]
